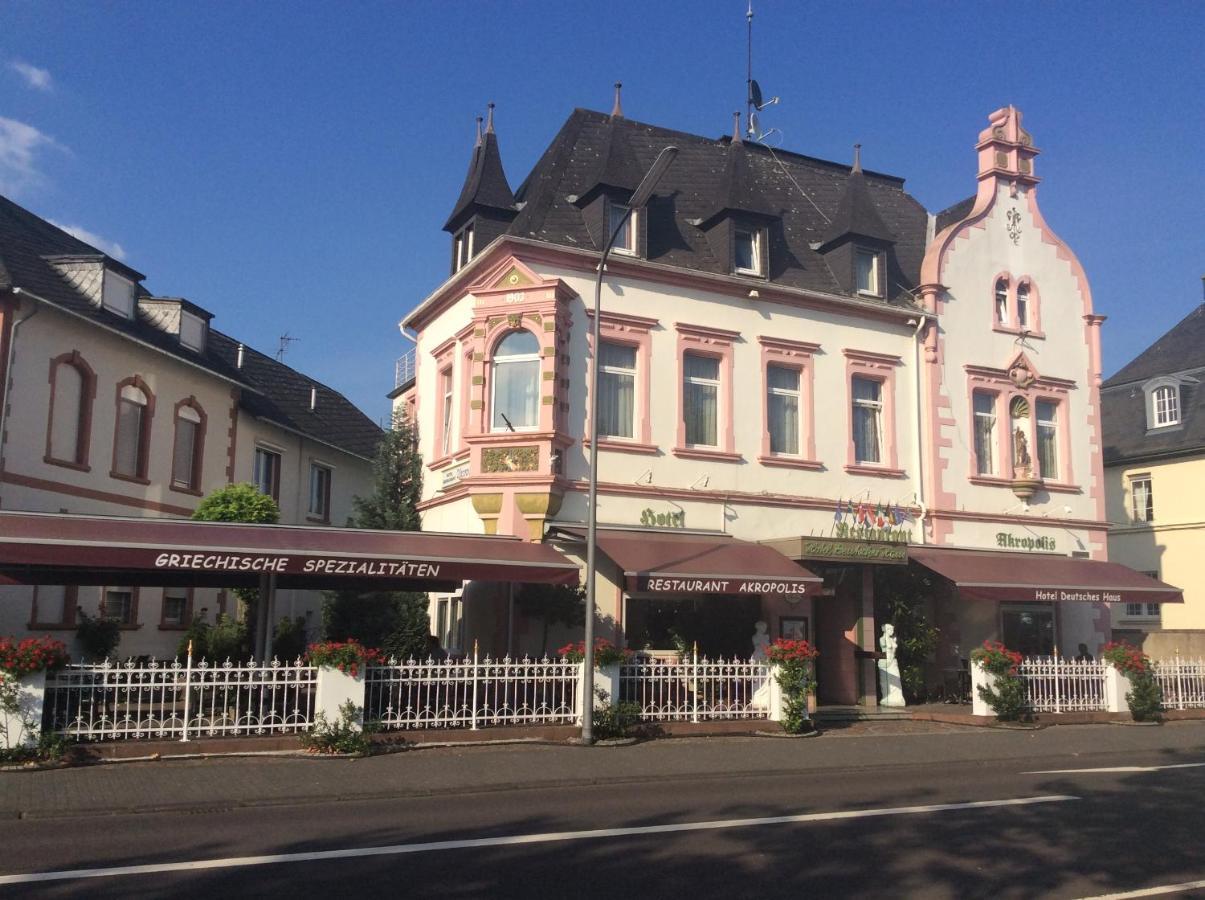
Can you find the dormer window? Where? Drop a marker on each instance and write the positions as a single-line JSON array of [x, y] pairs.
[[118, 295], [869, 278], [462, 250], [1167, 405], [746, 251], [192, 331], [625, 238]]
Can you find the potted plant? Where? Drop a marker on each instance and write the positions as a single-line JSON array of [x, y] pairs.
[[794, 672], [342, 665], [1145, 697], [23, 668], [1004, 691]]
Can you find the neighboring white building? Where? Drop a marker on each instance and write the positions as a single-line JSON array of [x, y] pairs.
[[122, 403]]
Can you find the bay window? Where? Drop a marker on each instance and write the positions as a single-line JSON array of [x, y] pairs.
[[515, 382]]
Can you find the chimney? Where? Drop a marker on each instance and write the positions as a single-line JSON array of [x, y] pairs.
[[313, 398], [238, 362]]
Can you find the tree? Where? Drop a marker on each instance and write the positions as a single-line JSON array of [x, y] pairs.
[[904, 591], [240, 503], [395, 621]]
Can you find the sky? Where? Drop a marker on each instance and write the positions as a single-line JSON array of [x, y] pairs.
[[288, 166]]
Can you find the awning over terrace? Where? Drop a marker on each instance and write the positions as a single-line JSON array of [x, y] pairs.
[[1026, 577], [42, 548], [659, 562]]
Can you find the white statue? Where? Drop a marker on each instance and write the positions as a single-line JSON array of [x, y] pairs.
[[890, 685], [761, 640]]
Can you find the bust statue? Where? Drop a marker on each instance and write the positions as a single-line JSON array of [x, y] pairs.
[[761, 640]]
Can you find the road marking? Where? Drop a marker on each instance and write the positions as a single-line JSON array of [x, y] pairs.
[[1108, 769], [1151, 891], [515, 839]]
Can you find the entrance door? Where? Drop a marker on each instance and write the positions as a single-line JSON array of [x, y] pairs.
[[836, 624], [1028, 629]]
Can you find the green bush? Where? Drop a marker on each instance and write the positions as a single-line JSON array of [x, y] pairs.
[[1008, 701], [99, 636], [1145, 698], [289, 641], [343, 736], [614, 722]]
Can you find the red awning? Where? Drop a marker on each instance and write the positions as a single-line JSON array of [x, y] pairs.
[[1036, 577], [660, 562], [41, 548]]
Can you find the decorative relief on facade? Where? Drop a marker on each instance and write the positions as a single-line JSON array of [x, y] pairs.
[[1020, 374], [510, 459], [1014, 225], [514, 320]]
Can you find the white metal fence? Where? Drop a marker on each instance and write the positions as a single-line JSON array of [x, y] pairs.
[[1057, 685], [1182, 682], [472, 693], [118, 701], [695, 689]]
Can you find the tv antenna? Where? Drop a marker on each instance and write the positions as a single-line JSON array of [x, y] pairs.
[[754, 95], [283, 347]]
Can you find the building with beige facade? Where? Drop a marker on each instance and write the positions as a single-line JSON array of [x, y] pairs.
[[1154, 427], [119, 402]]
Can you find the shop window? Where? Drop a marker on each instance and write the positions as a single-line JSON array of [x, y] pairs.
[[782, 409], [1142, 499], [985, 432], [320, 492], [867, 420], [131, 444], [515, 379], [186, 456], [700, 399], [617, 390], [1048, 439], [266, 473]]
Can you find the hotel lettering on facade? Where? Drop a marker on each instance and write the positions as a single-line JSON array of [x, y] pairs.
[[815, 396]]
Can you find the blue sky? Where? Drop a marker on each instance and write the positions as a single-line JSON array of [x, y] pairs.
[[288, 165]]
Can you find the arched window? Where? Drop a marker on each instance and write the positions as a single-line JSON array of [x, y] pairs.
[[132, 438], [186, 456], [1023, 305], [72, 388], [1002, 301], [515, 376]]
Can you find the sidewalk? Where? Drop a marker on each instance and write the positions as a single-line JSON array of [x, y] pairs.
[[229, 783]]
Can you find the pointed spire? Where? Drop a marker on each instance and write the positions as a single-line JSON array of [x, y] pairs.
[[479, 141], [736, 127], [857, 159], [485, 185], [617, 108], [856, 212], [489, 123]]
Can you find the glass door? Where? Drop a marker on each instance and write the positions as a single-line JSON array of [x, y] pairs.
[[1028, 629]]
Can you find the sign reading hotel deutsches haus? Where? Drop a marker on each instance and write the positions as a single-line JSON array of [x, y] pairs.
[[687, 584], [853, 550]]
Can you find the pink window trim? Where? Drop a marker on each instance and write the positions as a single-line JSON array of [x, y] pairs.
[[792, 355], [878, 367], [547, 364], [1034, 314], [634, 331], [998, 383], [1003, 432], [716, 343]]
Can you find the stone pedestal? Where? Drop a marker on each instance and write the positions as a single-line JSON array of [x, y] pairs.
[[890, 685], [1117, 685], [606, 678], [336, 688], [23, 727], [979, 677]]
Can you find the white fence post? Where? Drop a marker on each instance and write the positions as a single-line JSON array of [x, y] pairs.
[[1117, 685], [607, 678], [694, 683], [335, 688], [580, 691], [980, 676], [24, 728], [473, 711], [187, 694]]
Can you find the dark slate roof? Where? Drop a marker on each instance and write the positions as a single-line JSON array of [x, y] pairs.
[[856, 213], [701, 181], [1123, 402], [485, 185], [282, 396], [952, 214], [271, 389], [617, 166], [1179, 350]]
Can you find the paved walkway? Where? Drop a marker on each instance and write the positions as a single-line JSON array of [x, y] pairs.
[[227, 783]]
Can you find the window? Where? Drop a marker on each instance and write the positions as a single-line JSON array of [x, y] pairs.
[[175, 608], [617, 390], [1048, 439], [782, 409], [516, 382], [1143, 610], [462, 248], [192, 331], [1167, 405], [186, 458], [701, 399], [1142, 499], [449, 622], [54, 604], [117, 294], [985, 432], [68, 414], [445, 437], [320, 492], [130, 447], [1002, 301], [266, 473], [625, 238], [1023, 305], [867, 420], [118, 605], [868, 273], [746, 251]]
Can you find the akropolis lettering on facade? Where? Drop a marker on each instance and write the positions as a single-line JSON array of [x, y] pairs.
[[1012, 542], [233, 562], [667, 585]]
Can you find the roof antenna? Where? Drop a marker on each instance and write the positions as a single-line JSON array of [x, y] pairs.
[[285, 340], [754, 99], [617, 109]]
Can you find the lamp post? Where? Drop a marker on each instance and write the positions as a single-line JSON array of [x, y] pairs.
[[639, 198]]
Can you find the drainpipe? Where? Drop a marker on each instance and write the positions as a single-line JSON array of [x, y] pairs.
[[920, 425], [8, 372]]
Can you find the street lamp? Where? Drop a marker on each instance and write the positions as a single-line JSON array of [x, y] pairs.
[[639, 198]]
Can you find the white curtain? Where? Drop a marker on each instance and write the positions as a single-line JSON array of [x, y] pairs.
[[1048, 442], [516, 393], [617, 390], [985, 429], [782, 405], [700, 399], [867, 408]]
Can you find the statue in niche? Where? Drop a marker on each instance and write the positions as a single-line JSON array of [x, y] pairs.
[[1021, 459], [890, 686]]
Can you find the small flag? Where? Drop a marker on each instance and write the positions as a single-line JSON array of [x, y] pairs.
[[840, 511]]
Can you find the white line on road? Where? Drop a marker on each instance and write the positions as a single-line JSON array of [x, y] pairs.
[[1151, 891], [513, 840], [1108, 769]]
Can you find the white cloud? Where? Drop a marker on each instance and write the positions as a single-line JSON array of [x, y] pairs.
[[106, 246], [38, 79], [19, 148]]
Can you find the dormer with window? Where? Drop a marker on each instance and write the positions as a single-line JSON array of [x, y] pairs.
[[184, 320], [104, 282], [738, 230], [1165, 400], [604, 197], [486, 205], [858, 242]]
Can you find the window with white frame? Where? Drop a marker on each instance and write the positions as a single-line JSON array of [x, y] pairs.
[[1023, 305], [446, 406], [867, 420], [985, 432], [266, 472], [1142, 499], [186, 456], [1002, 301], [175, 607], [320, 491], [746, 251], [516, 383], [129, 454], [1167, 405], [617, 390], [1048, 438], [619, 217], [463, 247], [783, 408], [701, 399], [869, 277], [118, 605], [449, 623]]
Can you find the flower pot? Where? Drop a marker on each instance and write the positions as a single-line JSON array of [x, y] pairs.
[[23, 726]]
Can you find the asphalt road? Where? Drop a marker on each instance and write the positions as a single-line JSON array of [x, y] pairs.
[[668, 819]]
